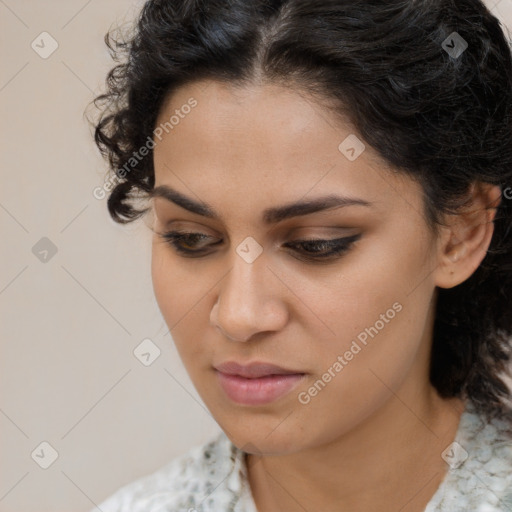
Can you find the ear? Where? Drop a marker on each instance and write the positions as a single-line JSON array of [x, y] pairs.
[[466, 236]]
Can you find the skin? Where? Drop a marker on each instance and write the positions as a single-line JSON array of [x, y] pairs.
[[372, 438]]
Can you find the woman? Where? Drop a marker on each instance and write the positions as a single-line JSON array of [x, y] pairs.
[[328, 184]]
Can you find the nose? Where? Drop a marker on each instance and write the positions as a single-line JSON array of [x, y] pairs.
[[250, 301]]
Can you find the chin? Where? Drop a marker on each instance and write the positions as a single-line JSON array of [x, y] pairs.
[[260, 435]]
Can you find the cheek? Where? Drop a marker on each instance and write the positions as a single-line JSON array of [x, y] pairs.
[[182, 299], [370, 355], [177, 288], [165, 281], [376, 313]]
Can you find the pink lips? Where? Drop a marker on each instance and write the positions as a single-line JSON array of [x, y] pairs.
[[256, 383]]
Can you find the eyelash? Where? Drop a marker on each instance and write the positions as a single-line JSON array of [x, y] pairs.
[[336, 246]]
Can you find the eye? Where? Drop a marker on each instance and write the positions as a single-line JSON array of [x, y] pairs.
[[186, 244], [319, 249]]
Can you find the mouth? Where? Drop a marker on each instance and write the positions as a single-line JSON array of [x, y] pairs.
[[256, 383]]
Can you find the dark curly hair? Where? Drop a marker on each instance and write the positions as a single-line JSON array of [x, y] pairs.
[[443, 119]]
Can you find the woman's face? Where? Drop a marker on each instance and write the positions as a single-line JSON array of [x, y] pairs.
[[356, 325]]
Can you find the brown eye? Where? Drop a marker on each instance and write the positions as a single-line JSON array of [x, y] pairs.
[[315, 249], [185, 242]]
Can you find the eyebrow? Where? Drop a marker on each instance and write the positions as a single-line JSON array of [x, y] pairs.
[[271, 215]]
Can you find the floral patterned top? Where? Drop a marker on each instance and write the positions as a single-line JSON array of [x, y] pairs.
[[213, 477]]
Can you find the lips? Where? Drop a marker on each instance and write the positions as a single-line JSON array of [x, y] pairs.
[[253, 370], [256, 383]]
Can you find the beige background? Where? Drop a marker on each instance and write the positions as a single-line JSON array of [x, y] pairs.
[[69, 326]]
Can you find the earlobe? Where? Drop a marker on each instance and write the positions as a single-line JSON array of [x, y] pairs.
[[467, 237]]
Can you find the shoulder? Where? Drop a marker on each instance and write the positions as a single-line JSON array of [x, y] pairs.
[[479, 477], [208, 477]]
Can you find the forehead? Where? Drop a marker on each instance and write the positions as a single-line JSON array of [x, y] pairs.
[[258, 121], [267, 142]]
